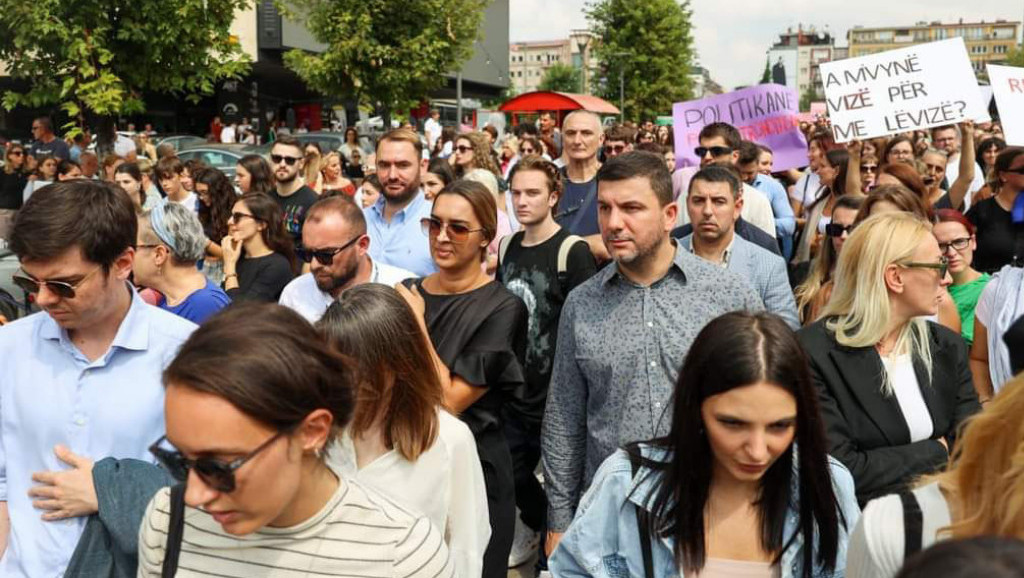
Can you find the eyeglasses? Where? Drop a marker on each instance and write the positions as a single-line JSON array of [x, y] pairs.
[[237, 217], [834, 230], [287, 160], [457, 232], [617, 149], [323, 256], [463, 149], [16, 153], [217, 474], [62, 289], [957, 244], [942, 266], [526, 151], [869, 168], [701, 152]]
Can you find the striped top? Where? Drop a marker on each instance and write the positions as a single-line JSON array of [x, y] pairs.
[[359, 533]]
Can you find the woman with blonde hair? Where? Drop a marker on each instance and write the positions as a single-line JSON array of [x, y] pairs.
[[333, 178], [894, 387], [981, 493], [311, 173]]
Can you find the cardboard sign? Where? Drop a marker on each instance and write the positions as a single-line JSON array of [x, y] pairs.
[[901, 90], [766, 114], [1008, 88]]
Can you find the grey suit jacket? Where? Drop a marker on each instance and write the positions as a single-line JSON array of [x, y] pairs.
[[766, 273]]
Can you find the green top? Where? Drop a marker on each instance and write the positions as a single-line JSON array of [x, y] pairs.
[[966, 298]]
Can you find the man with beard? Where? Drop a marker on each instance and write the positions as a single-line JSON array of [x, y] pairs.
[[292, 194], [624, 332], [335, 244], [393, 222]]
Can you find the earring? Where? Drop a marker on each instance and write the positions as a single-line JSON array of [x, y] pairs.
[[318, 452]]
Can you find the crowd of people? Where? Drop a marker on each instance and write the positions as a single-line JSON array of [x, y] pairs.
[[556, 350]]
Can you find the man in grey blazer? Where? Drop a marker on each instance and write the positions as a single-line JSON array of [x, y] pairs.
[[714, 203]]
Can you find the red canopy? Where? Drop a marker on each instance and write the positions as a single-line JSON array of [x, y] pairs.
[[561, 102]]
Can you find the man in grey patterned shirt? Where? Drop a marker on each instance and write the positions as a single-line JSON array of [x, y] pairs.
[[624, 333]]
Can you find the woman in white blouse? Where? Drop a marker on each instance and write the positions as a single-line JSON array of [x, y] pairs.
[[401, 440]]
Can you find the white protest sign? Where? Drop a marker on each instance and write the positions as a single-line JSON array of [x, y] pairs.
[[1008, 88], [901, 90]]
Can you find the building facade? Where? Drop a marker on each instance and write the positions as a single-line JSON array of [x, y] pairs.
[[528, 62], [987, 42], [795, 59]]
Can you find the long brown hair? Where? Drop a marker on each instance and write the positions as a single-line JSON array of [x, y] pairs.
[[823, 265], [268, 211], [372, 324], [482, 157]]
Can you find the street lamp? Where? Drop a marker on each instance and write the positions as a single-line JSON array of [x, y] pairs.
[[622, 85], [582, 40]]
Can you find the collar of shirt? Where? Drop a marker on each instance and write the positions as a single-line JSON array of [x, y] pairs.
[[133, 333], [678, 262], [411, 208], [724, 263]]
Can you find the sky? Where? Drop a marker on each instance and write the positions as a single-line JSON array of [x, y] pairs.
[[733, 37]]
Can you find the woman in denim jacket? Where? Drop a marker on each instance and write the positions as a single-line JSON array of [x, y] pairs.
[[726, 493]]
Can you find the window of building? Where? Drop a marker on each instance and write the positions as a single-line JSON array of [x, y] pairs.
[[942, 34], [1005, 32], [999, 49], [884, 35]]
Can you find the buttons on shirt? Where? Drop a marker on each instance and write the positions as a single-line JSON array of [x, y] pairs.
[[654, 364], [79, 419], [650, 324], [657, 405]]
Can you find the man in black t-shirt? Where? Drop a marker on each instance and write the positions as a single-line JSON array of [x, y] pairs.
[[46, 143], [292, 193], [540, 264]]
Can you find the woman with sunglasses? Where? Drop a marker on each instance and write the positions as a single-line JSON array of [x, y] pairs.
[[473, 151], [259, 259], [530, 145], [832, 171], [999, 220], [13, 180], [955, 235], [893, 387], [478, 331], [815, 291], [249, 440]]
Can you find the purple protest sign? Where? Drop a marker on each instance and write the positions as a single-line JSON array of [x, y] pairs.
[[766, 114]]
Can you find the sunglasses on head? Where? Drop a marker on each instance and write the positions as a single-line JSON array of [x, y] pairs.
[[323, 256], [701, 152], [456, 232], [62, 289], [215, 473], [287, 160], [834, 230]]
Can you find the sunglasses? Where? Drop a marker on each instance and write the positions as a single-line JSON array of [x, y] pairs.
[[463, 149], [15, 154], [287, 160], [457, 232], [834, 230], [217, 474], [701, 152], [237, 217], [869, 168], [323, 256], [942, 266], [957, 244], [526, 151], [617, 149], [62, 289]]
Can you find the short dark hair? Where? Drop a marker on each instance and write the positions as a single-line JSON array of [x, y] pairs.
[[167, 167], [651, 147], [722, 129], [989, 556], [95, 216], [749, 152], [618, 133], [640, 164], [288, 140], [719, 174], [45, 122]]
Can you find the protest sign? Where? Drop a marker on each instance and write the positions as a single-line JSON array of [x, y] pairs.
[[901, 90], [1008, 88], [765, 114]]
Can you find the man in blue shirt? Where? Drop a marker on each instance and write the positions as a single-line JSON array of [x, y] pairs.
[[785, 220], [84, 374], [393, 222]]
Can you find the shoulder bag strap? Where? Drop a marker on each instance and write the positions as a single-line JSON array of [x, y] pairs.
[[642, 521], [175, 528], [913, 524], [503, 248]]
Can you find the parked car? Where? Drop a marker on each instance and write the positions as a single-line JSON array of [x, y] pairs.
[[13, 300], [218, 156], [179, 141]]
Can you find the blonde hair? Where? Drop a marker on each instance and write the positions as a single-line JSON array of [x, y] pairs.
[[985, 478], [859, 306]]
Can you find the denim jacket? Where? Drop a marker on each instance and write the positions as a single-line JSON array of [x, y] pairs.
[[603, 540]]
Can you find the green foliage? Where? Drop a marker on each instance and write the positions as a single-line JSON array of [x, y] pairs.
[[651, 43], [385, 53], [1015, 58], [810, 95], [101, 56], [766, 76], [561, 77]]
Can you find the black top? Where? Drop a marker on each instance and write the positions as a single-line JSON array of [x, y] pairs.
[[262, 278], [997, 236], [12, 189], [294, 208], [745, 230], [866, 430], [56, 148], [531, 273], [481, 337]]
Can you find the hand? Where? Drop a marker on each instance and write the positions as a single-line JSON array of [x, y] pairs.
[[552, 542], [232, 249], [412, 296], [67, 493], [967, 128], [854, 147]]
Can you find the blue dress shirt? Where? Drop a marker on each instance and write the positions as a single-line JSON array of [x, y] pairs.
[[785, 220], [401, 242], [50, 394]]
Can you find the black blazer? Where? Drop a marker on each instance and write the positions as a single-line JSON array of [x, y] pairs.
[[866, 430]]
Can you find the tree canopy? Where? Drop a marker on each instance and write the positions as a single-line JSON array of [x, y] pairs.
[[561, 77]]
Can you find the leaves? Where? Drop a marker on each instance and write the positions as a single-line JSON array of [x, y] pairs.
[[561, 77]]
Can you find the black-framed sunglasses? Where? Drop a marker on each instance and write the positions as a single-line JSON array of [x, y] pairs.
[[62, 289], [617, 149], [957, 244], [701, 152], [869, 168], [456, 232], [942, 266], [323, 256], [527, 151], [237, 217], [463, 149], [287, 160], [215, 473], [836, 230]]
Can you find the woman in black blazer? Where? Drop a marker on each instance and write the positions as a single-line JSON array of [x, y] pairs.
[[894, 387]]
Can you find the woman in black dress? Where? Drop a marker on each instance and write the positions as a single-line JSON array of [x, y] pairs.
[[478, 330], [259, 259]]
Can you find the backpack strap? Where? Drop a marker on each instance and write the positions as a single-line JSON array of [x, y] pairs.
[[563, 252], [913, 524], [642, 516], [175, 529], [503, 247]]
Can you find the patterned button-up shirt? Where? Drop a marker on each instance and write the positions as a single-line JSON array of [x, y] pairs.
[[619, 352]]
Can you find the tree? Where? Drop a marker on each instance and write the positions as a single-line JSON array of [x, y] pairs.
[[561, 77], [387, 54], [810, 95], [102, 56], [766, 76], [651, 45], [1015, 58]]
